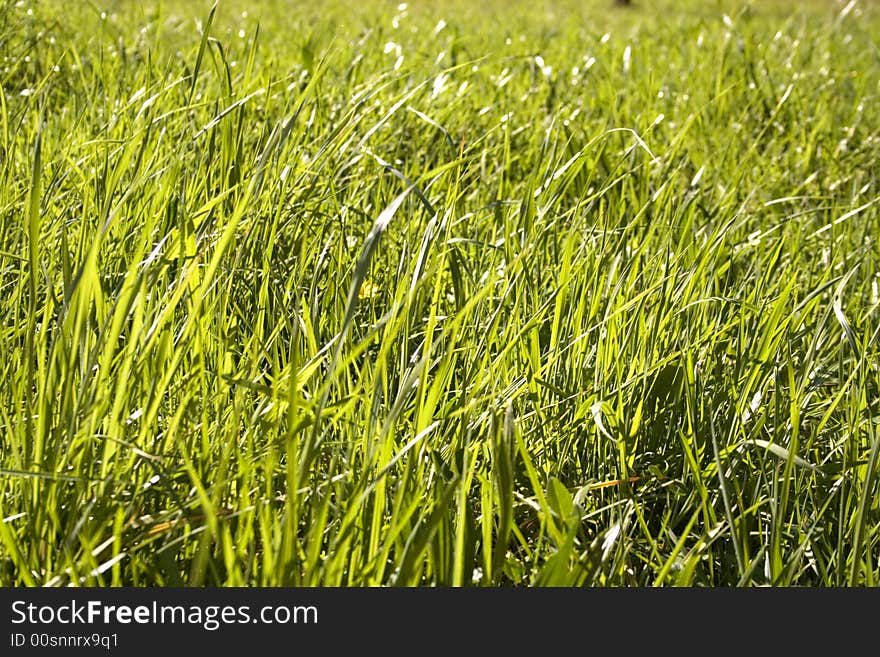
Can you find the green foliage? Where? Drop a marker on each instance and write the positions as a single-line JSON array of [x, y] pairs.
[[447, 294]]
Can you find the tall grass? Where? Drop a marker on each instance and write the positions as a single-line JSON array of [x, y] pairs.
[[534, 294]]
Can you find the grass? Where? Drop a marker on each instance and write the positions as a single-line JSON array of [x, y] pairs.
[[449, 294]]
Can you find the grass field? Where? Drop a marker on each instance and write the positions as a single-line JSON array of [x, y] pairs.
[[455, 293]]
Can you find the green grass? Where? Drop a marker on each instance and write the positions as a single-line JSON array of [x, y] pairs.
[[528, 294]]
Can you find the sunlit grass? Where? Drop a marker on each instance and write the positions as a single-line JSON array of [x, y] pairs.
[[439, 293]]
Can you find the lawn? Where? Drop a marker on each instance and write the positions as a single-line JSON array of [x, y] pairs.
[[439, 293]]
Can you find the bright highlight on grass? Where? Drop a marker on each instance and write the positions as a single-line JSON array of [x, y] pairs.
[[439, 294]]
